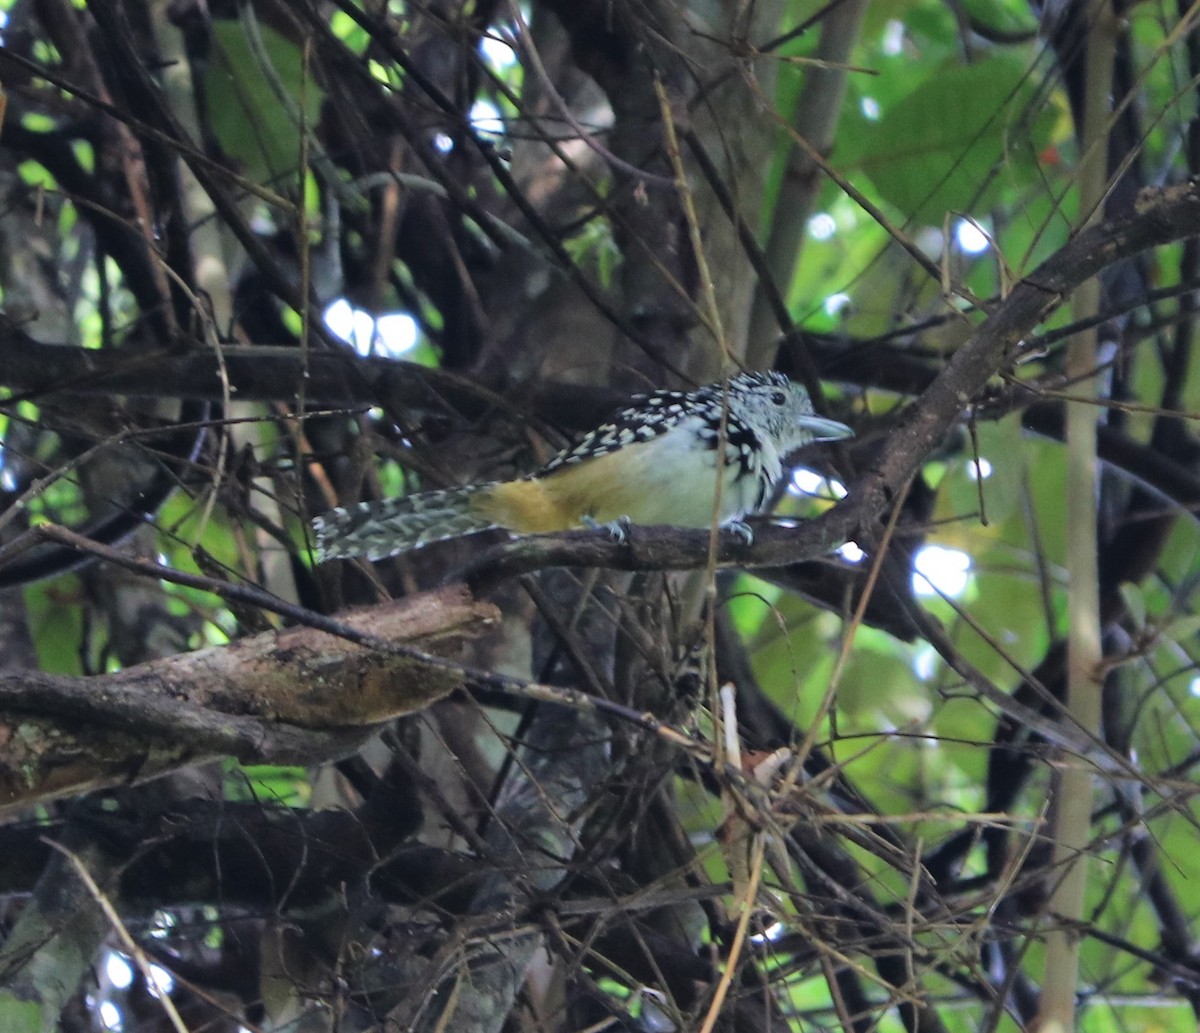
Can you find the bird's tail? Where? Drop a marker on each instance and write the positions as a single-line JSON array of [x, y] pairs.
[[377, 530]]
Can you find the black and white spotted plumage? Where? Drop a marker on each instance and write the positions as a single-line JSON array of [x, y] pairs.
[[647, 416], [766, 416], [654, 462]]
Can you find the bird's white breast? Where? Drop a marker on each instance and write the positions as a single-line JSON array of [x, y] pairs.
[[671, 479]]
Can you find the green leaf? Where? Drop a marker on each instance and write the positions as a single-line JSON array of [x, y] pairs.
[[56, 627], [875, 684], [956, 140], [1001, 16], [1182, 629], [36, 122], [1135, 604], [268, 783], [244, 112], [19, 1016]]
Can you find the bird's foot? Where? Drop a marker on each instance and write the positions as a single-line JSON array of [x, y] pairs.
[[742, 529], [617, 529]]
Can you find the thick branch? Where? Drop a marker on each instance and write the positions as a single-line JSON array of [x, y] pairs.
[[293, 696]]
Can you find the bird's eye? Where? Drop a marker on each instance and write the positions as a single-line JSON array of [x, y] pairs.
[[778, 397]]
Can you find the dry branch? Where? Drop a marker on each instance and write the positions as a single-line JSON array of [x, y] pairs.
[[294, 696]]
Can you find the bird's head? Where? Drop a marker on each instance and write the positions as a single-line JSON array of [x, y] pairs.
[[781, 409]]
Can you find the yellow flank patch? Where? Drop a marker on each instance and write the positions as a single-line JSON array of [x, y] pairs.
[[648, 483], [598, 488], [520, 506]]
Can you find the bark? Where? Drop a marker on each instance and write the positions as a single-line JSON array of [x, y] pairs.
[[286, 697]]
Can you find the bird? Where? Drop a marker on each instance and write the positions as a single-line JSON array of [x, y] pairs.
[[654, 462]]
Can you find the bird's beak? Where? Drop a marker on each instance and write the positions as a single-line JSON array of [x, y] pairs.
[[822, 429]]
